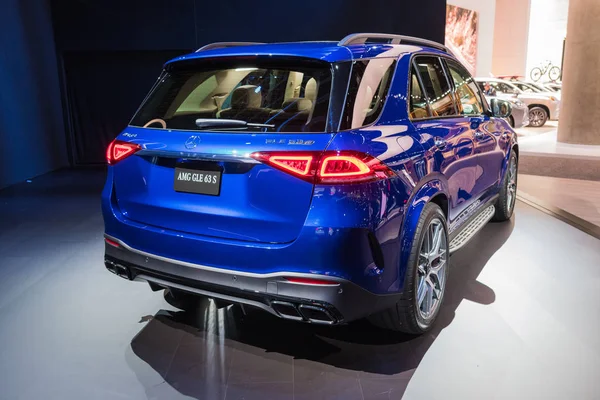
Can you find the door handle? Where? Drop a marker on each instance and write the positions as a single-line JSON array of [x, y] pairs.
[[440, 143], [476, 122]]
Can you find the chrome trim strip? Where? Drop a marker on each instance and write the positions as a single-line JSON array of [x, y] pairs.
[[198, 156], [233, 272]]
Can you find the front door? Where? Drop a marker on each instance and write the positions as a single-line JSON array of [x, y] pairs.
[[445, 134], [486, 131]]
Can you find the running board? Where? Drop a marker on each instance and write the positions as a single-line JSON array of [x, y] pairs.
[[469, 231]]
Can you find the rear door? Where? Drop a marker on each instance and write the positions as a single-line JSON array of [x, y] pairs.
[[445, 134], [195, 174], [486, 131]]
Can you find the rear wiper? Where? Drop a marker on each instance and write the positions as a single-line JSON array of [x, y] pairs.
[[228, 123]]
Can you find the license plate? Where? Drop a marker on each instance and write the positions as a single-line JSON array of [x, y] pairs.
[[197, 181]]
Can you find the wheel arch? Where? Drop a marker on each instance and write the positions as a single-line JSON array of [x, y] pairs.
[[543, 106], [432, 191], [515, 148], [441, 199]]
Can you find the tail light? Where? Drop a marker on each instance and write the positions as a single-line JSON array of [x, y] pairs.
[[310, 281], [299, 164], [328, 167], [119, 150]]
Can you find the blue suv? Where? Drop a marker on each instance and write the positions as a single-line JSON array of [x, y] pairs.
[[322, 182]]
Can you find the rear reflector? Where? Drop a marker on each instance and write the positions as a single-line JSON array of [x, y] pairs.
[[119, 150], [112, 242], [328, 167], [310, 281]]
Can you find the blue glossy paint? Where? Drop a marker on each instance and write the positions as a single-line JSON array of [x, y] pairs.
[[268, 221]]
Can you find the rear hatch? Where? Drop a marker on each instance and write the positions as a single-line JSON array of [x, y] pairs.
[[193, 171]]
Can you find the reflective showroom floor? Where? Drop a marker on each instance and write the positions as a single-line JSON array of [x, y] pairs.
[[520, 320]]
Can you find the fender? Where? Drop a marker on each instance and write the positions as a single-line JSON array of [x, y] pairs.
[[513, 146], [417, 203]]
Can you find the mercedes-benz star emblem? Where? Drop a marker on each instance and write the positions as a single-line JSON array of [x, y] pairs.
[[192, 142]]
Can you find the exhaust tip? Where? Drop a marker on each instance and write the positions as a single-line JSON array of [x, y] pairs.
[[317, 315], [110, 266], [118, 269], [286, 310]]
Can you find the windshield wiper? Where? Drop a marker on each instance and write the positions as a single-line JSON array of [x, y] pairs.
[[229, 123]]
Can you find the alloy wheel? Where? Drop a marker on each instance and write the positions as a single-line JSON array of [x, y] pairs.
[[537, 117], [433, 261]]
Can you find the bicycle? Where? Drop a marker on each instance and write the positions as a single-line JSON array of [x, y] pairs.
[[553, 71]]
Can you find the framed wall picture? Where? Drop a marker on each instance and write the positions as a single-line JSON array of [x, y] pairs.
[[462, 34]]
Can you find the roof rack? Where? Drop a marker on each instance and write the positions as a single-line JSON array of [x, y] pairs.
[[362, 38], [221, 45]]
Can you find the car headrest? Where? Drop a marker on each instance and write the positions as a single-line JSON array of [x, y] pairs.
[[297, 104], [416, 89], [247, 96], [310, 91]]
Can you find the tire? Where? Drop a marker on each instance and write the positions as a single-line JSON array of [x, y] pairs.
[[505, 205], [554, 74], [408, 315], [535, 74], [537, 117]]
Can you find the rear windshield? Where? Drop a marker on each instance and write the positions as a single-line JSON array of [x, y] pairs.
[[258, 96]]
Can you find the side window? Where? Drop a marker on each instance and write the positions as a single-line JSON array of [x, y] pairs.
[[503, 88], [418, 102], [466, 90], [525, 88], [436, 86], [369, 85]]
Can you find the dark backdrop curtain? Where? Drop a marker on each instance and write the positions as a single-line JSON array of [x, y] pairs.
[[104, 90], [113, 50]]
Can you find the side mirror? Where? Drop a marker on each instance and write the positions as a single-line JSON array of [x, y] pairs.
[[500, 108]]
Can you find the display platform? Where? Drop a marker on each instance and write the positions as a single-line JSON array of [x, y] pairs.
[[542, 155], [520, 321]]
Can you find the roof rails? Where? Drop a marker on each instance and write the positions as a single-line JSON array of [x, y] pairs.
[[355, 38], [221, 45], [362, 38]]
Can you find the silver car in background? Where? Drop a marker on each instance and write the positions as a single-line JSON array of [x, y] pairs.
[[546, 87], [557, 87], [542, 107], [529, 87], [519, 115]]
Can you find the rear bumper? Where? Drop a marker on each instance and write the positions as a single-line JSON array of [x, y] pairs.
[[520, 116], [335, 303], [346, 235]]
